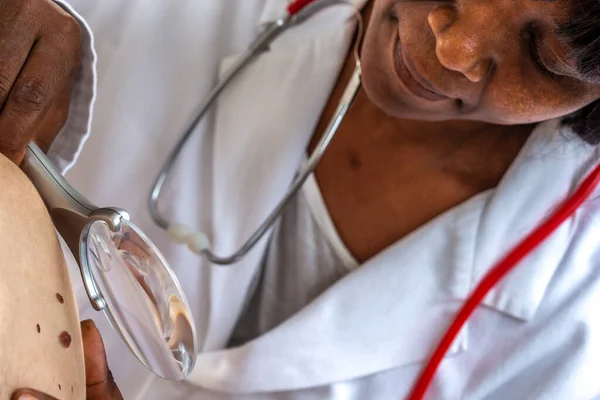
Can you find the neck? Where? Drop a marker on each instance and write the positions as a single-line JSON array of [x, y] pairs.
[[475, 153]]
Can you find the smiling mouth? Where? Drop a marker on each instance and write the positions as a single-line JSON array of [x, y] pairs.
[[410, 78]]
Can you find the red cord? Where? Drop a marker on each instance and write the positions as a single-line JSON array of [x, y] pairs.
[[501, 269], [297, 6]]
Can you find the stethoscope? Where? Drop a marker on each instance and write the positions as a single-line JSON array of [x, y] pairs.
[[125, 275], [297, 12]]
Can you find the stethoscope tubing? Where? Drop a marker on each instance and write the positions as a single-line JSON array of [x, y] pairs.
[[297, 13]]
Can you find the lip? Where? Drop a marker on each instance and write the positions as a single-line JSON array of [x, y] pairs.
[[415, 83]]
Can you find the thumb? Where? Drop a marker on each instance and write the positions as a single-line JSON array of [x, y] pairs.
[[100, 384]]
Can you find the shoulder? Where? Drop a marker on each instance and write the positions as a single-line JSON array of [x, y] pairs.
[[40, 323]]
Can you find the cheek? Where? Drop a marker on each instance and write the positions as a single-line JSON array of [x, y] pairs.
[[377, 79], [520, 103]]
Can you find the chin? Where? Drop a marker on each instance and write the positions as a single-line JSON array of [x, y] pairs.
[[400, 105], [377, 86], [386, 93]]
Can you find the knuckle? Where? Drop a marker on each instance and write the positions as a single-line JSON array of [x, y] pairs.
[[70, 29], [72, 37], [30, 96]]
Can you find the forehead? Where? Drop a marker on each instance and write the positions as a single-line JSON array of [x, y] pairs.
[[557, 10]]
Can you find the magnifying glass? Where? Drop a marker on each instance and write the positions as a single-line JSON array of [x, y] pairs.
[[124, 274]]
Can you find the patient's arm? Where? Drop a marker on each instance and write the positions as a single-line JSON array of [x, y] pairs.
[[40, 336]]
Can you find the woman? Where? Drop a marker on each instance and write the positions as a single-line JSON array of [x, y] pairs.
[[470, 128]]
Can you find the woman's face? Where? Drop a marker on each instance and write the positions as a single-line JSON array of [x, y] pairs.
[[498, 61]]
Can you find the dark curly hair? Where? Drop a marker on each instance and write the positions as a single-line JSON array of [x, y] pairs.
[[582, 34]]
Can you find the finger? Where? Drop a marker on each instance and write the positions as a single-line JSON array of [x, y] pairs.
[[29, 394], [45, 74], [54, 120], [100, 384], [18, 37]]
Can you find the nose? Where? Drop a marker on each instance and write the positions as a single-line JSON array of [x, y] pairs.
[[464, 43]]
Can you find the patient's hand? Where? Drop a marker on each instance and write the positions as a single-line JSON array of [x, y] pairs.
[[99, 381]]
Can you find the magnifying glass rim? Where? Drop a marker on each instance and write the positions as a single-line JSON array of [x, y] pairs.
[[97, 297], [89, 282]]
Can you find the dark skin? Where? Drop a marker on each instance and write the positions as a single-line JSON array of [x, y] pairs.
[[99, 381], [40, 50], [404, 156]]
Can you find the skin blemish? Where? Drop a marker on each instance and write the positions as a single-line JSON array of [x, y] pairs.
[[59, 387], [39, 329], [65, 339], [60, 299], [355, 162], [72, 389]]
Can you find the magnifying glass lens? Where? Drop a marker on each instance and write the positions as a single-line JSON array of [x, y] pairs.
[[145, 303]]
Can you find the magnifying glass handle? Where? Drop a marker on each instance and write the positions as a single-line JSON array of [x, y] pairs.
[[133, 285], [70, 211], [52, 186]]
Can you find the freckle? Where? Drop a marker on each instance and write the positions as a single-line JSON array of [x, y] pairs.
[[39, 329], [354, 161], [60, 299], [72, 389], [65, 339]]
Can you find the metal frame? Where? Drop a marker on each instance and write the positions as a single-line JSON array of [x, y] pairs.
[[71, 213]]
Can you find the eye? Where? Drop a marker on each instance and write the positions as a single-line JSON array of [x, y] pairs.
[[533, 48]]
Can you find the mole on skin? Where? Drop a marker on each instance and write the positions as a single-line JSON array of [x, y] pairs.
[[60, 299], [65, 339], [38, 328]]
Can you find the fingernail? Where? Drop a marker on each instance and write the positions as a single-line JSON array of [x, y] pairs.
[[88, 323]]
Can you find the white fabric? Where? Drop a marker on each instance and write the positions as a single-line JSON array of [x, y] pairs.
[[70, 139], [321, 216], [368, 335], [301, 262]]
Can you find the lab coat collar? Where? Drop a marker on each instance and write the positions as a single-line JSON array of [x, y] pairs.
[[392, 311], [550, 166]]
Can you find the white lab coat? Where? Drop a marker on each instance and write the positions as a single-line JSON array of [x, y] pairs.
[[367, 337]]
